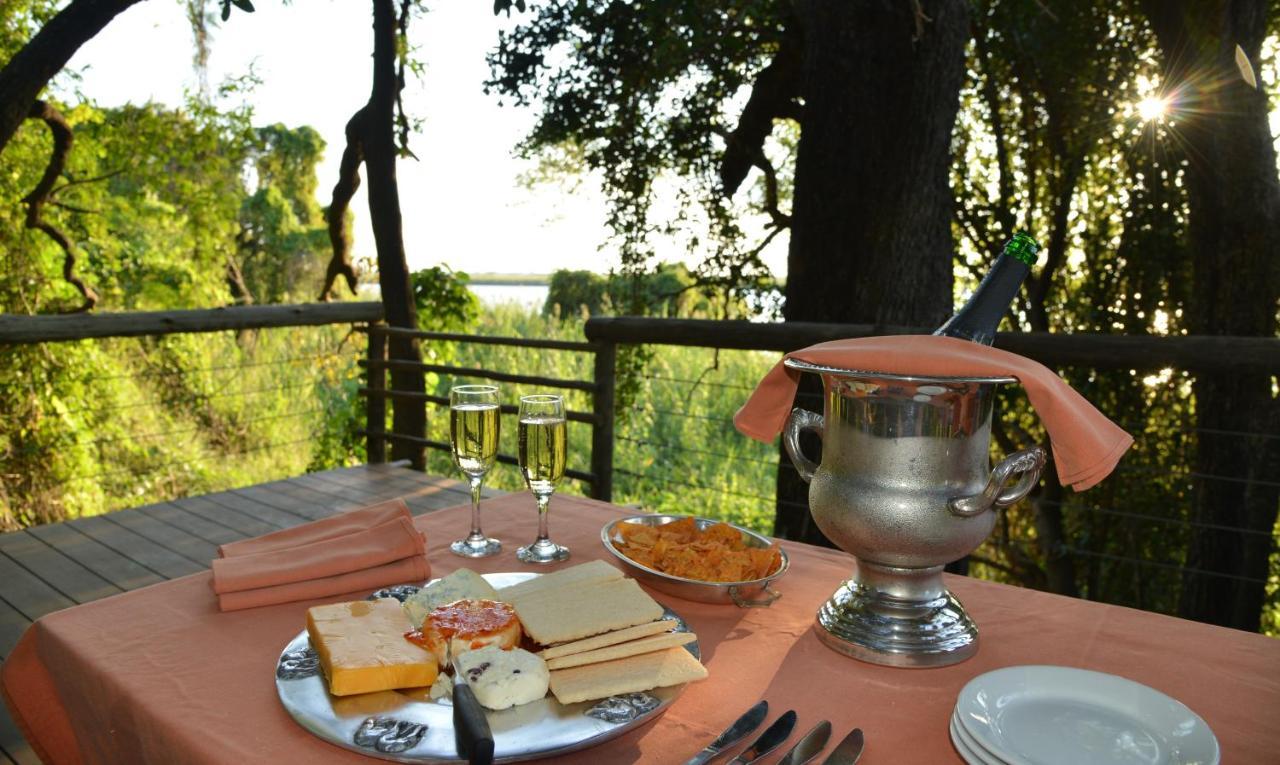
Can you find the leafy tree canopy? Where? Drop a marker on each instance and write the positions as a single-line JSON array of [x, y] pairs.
[[644, 91]]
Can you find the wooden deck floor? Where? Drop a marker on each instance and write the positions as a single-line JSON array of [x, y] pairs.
[[60, 565]]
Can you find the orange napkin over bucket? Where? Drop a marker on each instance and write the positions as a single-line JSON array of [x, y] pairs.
[[358, 550], [1086, 445]]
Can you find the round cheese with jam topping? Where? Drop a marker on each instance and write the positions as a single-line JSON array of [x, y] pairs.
[[502, 679], [468, 624]]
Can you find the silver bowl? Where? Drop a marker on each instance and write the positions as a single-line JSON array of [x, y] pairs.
[[749, 594]]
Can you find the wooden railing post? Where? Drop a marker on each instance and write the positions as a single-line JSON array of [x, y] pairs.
[[376, 402], [602, 406]]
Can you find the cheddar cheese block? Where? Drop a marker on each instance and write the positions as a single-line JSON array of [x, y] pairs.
[[362, 647]]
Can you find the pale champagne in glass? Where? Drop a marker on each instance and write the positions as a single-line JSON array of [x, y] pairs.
[[473, 433], [543, 454]]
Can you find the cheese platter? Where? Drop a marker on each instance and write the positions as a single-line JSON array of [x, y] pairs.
[[415, 724]]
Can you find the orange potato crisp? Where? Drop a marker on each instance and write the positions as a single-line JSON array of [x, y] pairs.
[[716, 554]]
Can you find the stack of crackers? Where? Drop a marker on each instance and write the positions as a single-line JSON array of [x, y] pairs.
[[606, 635]]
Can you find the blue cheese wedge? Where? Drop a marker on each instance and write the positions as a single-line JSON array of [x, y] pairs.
[[502, 679], [463, 583]]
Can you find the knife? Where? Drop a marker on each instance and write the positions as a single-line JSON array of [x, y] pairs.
[[847, 751], [749, 721], [769, 740], [470, 726], [809, 746]]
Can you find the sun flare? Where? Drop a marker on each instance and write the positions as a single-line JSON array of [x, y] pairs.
[[1151, 108]]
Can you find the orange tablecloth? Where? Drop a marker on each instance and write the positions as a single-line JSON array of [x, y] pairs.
[[160, 675]]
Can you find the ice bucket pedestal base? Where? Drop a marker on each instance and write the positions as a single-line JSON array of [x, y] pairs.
[[898, 617]]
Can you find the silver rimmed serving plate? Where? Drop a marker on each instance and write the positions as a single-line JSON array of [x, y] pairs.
[[750, 593], [407, 726]]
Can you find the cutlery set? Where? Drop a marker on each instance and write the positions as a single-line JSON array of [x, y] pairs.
[[810, 745]]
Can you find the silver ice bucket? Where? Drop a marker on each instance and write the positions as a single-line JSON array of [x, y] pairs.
[[905, 486]]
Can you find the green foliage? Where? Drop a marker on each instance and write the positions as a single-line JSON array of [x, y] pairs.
[[669, 290], [442, 299], [159, 202], [573, 292]]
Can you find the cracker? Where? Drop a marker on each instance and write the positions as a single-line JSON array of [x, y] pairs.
[[623, 650], [581, 610], [585, 572], [644, 672], [609, 638]]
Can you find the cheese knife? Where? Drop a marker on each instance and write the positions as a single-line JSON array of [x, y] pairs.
[[470, 726], [741, 728], [847, 751], [772, 737], [809, 746]]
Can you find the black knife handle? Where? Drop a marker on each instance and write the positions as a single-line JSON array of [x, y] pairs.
[[470, 727]]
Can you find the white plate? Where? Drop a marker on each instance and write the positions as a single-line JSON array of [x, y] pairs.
[[968, 752], [1041, 715]]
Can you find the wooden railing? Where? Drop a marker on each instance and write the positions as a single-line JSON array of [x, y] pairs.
[[1211, 353], [18, 330]]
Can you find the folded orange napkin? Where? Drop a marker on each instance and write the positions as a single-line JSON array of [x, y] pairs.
[[358, 550], [1086, 445]]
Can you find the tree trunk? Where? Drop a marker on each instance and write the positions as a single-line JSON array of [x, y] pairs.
[[384, 210], [31, 68], [871, 213], [1234, 230]]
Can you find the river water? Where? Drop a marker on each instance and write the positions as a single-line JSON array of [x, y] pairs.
[[528, 295]]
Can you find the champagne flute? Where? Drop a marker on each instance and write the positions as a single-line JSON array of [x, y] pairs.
[[543, 452], [473, 432]]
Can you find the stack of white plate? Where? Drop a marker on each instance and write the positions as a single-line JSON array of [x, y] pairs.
[[1041, 715]]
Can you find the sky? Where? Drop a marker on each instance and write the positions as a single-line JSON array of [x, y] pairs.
[[462, 203]]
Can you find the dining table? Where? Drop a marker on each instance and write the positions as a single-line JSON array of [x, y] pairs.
[[161, 675]]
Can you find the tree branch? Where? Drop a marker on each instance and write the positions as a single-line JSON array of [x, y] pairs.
[[348, 181], [80, 181], [236, 284], [772, 95], [40, 196], [26, 74]]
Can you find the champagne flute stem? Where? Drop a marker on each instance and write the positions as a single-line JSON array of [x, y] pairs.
[[543, 501], [477, 481]]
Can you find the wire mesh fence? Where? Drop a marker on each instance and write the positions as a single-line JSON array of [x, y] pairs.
[[100, 424]]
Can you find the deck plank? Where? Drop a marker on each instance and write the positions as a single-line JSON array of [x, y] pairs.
[[55, 568], [136, 547], [107, 563], [173, 515], [252, 508], [283, 497], [14, 746], [231, 517], [189, 546], [12, 624], [28, 594]]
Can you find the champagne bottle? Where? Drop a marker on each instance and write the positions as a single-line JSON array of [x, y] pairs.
[[978, 319]]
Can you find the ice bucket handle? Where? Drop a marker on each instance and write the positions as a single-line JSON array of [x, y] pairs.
[[799, 421], [1026, 464]]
